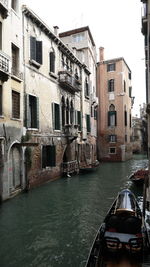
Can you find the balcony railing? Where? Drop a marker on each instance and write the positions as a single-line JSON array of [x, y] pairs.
[[4, 66], [4, 8], [70, 167], [69, 82]]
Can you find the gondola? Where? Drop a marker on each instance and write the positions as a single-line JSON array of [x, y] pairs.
[[123, 232], [138, 177]]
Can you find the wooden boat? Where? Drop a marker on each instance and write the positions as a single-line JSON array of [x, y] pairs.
[[123, 232], [138, 177], [89, 167]]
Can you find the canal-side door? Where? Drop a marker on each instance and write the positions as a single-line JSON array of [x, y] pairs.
[[14, 168]]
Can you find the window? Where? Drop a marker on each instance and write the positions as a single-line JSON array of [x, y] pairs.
[[111, 85], [88, 124], [86, 88], [112, 116], [14, 4], [130, 73], [130, 119], [56, 116], [48, 156], [15, 60], [126, 137], [95, 113], [78, 37], [63, 110], [32, 111], [52, 61], [112, 150], [0, 36], [15, 105], [112, 138], [111, 67], [124, 86], [1, 102], [71, 113], [130, 91], [67, 112], [35, 50], [79, 120], [125, 118]]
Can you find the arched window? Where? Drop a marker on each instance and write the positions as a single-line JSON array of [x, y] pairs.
[[67, 111], [112, 116], [52, 61], [63, 107], [71, 113]]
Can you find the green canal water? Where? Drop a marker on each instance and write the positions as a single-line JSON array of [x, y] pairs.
[[55, 224]]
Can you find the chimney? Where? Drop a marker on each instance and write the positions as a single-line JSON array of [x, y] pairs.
[[101, 53], [56, 28]]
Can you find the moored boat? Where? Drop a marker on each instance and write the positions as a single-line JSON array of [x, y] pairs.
[[123, 232], [89, 167], [138, 177]]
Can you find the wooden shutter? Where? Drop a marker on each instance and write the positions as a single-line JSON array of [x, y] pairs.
[[57, 117], [88, 126], [52, 156], [115, 112], [39, 52], [15, 105], [32, 48], [52, 61], [27, 122], [79, 119]]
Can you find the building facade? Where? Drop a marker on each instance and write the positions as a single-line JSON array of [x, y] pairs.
[[11, 99], [114, 113], [57, 122], [45, 103], [146, 32]]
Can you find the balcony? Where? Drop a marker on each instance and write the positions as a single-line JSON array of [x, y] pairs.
[[4, 8], [71, 131], [4, 67], [70, 167], [69, 82]]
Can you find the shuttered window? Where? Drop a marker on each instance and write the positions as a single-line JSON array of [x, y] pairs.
[[0, 36], [32, 112], [88, 124], [48, 156], [56, 116], [52, 61], [35, 50], [111, 67], [15, 105]]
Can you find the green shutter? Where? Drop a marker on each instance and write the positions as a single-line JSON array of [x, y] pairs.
[[39, 52], [37, 112], [27, 112], [109, 118], [32, 48], [52, 156]]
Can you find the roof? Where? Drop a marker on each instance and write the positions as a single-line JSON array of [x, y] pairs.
[[115, 60], [30, 14], [75, 31]]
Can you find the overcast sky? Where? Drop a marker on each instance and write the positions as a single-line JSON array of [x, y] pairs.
[[114, 24]]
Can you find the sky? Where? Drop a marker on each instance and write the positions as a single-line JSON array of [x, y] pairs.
[[114, 24]]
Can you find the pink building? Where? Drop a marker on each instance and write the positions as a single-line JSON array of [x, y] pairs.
[[114, 114]]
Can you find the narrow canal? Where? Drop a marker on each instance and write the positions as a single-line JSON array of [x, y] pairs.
[[55, 224]]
